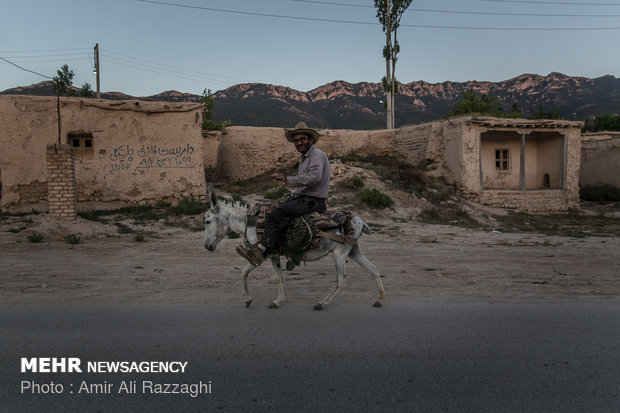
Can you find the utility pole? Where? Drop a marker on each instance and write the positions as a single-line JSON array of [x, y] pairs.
[[393, 87], [388, 97], [97, 71]]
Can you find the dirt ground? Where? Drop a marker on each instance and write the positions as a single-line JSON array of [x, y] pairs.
[[172, 266]]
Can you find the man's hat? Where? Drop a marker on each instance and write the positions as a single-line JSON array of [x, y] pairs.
[[301, 127]]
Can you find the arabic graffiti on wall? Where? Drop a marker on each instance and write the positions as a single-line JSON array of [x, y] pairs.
[[128, 158]]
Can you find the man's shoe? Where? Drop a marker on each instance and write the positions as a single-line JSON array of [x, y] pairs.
[[254, 256]]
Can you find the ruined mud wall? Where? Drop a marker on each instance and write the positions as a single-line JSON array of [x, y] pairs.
[[244, 152], [600, 161], [146, 151], [127, 151]]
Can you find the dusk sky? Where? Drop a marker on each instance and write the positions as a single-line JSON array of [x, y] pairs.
[[147, 47]]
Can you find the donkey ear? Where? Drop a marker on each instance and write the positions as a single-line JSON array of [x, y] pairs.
[[211, 196]]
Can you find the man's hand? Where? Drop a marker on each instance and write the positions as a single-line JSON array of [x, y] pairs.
[[279, 177]]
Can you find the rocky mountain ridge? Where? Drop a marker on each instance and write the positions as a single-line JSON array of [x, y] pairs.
[[344, 105]]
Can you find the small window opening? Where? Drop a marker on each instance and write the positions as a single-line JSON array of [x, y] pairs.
[[82, 145], [546, 181], [501, 160]]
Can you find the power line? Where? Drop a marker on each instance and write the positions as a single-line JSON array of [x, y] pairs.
[[61, 57], [120, 62], [333, 4], [53, 60], [554, 3], [482, 13], [518, 29], [167, 72], [27, 70], [40, 51], [175, 67], [479, 12], [47, 55], [257, 14], [377, 24]]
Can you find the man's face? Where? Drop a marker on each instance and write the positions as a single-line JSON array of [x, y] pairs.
[[302, 142]]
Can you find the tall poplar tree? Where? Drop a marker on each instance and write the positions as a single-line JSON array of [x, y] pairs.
[[390, 22]]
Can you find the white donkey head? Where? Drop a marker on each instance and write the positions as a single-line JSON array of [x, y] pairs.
[[217, 223]]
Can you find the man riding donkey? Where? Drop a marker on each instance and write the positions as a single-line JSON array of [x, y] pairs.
[[311, 189]]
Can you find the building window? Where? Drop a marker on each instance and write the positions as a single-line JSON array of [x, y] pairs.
[[501, 160], [82, 145]]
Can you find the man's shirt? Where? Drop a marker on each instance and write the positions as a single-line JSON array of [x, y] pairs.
[[312, 175]]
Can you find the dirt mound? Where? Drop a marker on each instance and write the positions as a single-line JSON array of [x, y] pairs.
[[56, 228]]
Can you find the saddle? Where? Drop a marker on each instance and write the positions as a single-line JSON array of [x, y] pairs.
[[304, 232]]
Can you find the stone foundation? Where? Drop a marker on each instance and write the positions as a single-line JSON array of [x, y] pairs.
[[531, 201]]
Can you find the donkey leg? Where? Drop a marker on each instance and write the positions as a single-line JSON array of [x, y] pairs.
[[340, 258], [357, 256], [275, 262], [247, 298]]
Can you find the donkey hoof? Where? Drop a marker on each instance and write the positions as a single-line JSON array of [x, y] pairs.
[[319, 306], [378, 304], [273, 305], [247, 304]]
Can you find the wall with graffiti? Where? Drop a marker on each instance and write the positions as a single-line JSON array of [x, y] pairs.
[[126, 151]]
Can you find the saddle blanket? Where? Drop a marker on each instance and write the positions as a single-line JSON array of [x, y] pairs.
[[303, 232]]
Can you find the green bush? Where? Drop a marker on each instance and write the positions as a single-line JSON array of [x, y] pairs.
[[209, 124], [430, 214], [123, 229], [163, 204], [375, 198], [602, 123], [355, 182], [277, 193], [208, 101], [189, 206], [72, 239], [35, 237], [399, 174]]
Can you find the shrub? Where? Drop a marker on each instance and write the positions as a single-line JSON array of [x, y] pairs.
[[375, 198], [430, 214], [189, 206], [35, 237], [163, 204], [72, 239], [209, 124], [138, 238], [123, 229], [140, 212], [401, 175], [277, 193], [355, 182]]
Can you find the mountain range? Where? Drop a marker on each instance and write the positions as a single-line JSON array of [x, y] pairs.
[[343, 105]]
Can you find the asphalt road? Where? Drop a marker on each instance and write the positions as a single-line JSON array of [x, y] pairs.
[[348, 358]]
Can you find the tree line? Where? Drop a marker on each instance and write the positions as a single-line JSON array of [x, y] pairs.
[[482, 104]]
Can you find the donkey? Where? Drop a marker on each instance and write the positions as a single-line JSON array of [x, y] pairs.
[[226, 216]]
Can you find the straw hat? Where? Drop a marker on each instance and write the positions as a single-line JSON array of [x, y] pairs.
[[301, 127]]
